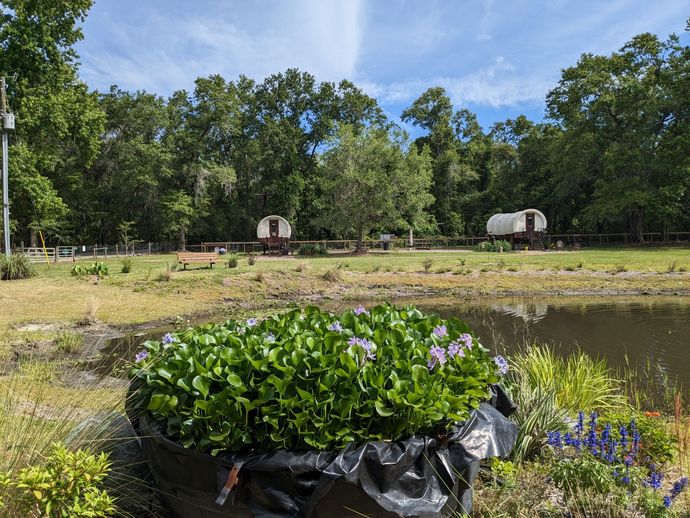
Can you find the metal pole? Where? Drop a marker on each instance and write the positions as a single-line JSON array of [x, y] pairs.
[[5, 196], [5, 171]]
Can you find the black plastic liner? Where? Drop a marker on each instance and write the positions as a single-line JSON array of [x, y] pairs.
[[422, 476]]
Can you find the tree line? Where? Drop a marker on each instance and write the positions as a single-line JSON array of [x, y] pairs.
[[613, 154]]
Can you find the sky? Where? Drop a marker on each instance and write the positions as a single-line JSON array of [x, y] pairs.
[[497, 58]]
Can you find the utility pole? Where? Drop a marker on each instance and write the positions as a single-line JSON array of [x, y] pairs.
[[7, 124]]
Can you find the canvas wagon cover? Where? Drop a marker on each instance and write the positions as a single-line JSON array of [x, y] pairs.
[[510, 223], [263, 228]]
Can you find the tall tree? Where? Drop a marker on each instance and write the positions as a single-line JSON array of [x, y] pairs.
[[626, 124], [370, 181], [58, 119]]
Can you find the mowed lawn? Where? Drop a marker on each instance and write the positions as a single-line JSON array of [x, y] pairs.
[[153, 289]]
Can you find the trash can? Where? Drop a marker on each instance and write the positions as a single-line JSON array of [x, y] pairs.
[[386, 245]]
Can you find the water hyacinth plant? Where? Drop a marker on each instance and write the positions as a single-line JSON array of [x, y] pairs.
[[308, 379]]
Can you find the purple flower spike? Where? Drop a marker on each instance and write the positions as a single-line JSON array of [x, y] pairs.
[[270, 338], [440, 331], [168, 338], [502, 364], [361, 310], [141, 356], [335, 326], [467, 338]]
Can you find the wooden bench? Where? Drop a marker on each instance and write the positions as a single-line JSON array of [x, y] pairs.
[[185, 258]]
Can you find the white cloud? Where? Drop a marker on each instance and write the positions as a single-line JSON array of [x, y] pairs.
[[496, 85], [161, 51]]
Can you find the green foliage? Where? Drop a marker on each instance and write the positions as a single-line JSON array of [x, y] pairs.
[[233, 259], [16, 267], [504, 470], [657, 444], [359, 163], [586, 472], [333, 275], [312, 249], [126, 265], [494, 246], [427, 263], [291, 382], [66, 485], [251, 259], [537, 415], [578, 382], [68, 342], [98, 268]]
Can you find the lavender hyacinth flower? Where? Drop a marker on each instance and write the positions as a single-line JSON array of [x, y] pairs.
[[168, 338], [438, 356], [455, 349], [502, 364], [251, 322], [364, 344], [270, 338], [467, 338], [361, 310], [335, 326], [440, 331], [141, 356]]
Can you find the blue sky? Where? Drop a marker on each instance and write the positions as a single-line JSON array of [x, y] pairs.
[[497, 58]]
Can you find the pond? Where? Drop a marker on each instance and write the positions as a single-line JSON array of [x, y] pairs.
[[652, 333]]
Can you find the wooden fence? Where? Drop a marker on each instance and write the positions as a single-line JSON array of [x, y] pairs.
[[50, 254]]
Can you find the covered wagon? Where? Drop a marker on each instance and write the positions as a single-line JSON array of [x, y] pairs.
[[524, 227], [274, 234]]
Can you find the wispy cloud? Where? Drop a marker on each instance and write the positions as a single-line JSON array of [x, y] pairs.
[[496, 85], [161, 51]]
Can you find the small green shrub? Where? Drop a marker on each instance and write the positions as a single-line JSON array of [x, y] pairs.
[[251, 260], [164, 276], [462, 260], [17, 267], [493, 246], [233, 260], [126, 265], [333, 275], [98, 268], [67, 342], [426, 263], [619, 268], [66, 485], [309, 379], [500, 264]]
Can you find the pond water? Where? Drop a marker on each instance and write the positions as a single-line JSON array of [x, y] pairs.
[[653, 333]]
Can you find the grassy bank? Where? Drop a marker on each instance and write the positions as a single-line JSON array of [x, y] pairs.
[[154, 290]]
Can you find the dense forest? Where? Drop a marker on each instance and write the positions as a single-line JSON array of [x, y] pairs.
[[613, 154]]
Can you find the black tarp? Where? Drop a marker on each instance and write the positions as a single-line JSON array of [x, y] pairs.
[[421, 476]]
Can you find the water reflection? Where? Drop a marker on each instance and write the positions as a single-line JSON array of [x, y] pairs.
[[652, 334]]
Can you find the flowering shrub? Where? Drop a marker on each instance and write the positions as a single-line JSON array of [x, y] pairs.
[[601, 454], [310, 379]]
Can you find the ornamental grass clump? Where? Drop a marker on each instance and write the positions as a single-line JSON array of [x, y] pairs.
[[308, 379]]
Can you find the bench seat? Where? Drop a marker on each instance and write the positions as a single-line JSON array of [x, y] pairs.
[[185, 258]]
